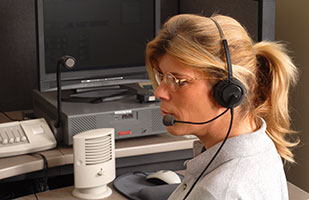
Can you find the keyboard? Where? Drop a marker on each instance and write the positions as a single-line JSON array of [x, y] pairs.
[[23, 137]]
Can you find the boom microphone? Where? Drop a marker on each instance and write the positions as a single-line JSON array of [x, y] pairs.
[[170, 120]]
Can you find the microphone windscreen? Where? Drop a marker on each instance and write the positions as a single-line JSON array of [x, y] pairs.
[[169, 120]]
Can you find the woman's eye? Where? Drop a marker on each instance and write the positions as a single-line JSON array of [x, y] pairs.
[[182, 82]]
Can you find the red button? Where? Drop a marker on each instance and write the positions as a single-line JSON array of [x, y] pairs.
[[124, 132]]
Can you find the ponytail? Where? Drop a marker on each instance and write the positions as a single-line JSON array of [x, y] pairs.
[[275, 73]]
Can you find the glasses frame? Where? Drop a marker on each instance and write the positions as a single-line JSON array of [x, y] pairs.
[[171, 80]]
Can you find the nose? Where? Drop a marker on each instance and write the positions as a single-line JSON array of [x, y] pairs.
[[162, 91]]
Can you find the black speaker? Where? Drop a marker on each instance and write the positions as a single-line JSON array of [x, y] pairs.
[[229, 92]]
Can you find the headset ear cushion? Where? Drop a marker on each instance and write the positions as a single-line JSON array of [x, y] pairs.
[[229, 93]]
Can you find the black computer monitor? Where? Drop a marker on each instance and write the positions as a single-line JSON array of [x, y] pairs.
[[107, 38]]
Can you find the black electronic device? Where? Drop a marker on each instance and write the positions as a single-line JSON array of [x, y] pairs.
[[127, 116], [108, 38]]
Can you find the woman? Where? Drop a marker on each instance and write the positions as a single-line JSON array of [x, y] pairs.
[[185, 62]]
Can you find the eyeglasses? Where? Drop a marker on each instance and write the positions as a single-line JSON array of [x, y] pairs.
[[175, 83]]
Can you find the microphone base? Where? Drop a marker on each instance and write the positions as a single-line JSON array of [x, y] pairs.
[[57, 130]]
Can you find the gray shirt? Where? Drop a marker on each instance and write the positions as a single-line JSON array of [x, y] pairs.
[[247, 167]]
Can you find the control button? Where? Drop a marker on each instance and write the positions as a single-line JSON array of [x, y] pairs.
[[101, 173], [79, 162], [11, 141], [37, 130], [23, 139], [184, 186], [5, 141], [17, 139], [124, 132]]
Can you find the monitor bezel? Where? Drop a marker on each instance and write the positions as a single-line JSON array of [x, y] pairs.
[[74, 79]]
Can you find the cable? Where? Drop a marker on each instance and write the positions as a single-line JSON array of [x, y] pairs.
[[217, 152], [34, 193], [45, 178]]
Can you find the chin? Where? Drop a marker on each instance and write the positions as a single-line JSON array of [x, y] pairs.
[[176, 130]]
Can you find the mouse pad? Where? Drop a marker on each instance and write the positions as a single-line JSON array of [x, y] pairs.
[[135, 187]]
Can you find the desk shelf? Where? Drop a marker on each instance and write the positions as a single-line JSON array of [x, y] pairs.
[[150, 153]]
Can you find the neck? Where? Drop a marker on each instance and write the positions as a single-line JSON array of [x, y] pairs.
[[217, 132]]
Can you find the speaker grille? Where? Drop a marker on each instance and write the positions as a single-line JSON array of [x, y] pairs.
[[80, 124], [98, 150], [157, 124]]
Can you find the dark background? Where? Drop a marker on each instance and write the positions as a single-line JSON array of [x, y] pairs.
[[18, 50]]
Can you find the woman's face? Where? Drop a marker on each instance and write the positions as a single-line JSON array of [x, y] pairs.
[[192, 101]]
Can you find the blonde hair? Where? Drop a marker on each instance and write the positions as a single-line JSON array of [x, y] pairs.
[[264, 68]]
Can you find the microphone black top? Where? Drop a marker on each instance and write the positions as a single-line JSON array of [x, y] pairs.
[[169, 120]]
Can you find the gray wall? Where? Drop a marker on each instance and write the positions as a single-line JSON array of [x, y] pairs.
[[246, 12], [292, 27], [18, 65]]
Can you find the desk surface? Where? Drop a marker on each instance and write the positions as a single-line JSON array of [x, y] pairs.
[[17, 165], [295, 193], [66, 193]]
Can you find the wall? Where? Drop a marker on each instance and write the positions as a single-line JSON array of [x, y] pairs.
[[18, 64], [246, 12], [292, 27]]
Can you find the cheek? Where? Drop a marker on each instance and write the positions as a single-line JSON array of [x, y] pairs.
[[196, 106]]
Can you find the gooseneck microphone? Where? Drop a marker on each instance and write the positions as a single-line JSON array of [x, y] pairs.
[[68, 62], [170, 120]]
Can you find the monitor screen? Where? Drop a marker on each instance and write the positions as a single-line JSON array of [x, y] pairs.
[[106, 37]]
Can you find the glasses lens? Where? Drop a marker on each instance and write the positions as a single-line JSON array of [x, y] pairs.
[[171, 81]]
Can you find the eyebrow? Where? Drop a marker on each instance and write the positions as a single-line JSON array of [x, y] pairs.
[[176, 74]]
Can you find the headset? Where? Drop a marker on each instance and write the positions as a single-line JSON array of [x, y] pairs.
[[228, 92]]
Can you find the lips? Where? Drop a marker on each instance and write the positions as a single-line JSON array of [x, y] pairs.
[[165, 112]]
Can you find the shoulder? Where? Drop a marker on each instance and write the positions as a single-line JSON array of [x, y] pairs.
[[245, 178]]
